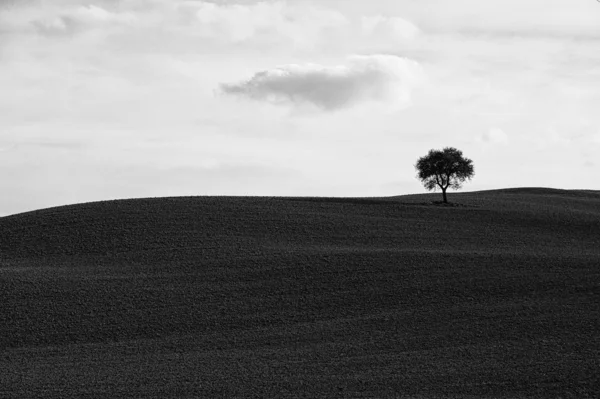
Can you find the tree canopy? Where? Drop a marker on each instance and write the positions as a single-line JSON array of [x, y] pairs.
[[443, 169]]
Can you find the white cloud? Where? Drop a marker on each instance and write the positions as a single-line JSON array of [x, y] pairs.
[[79, 19], [389, 27], [265, 20], [382, 78], [494, 136], [257, 24], [555, 137], [303, 25]]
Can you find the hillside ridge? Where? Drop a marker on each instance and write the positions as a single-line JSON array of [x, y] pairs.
[[433, 197], [144, 225], [279, 296]]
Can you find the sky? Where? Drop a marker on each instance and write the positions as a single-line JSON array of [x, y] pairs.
[[117, 99]]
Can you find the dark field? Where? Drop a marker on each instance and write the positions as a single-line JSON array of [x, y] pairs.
[[304, 297]]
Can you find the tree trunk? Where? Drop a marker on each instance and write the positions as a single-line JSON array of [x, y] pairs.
[[444, 194]]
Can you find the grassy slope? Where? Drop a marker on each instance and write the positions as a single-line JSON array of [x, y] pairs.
[[328, 297]]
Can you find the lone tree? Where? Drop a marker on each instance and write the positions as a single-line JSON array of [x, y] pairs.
[[443, 169]]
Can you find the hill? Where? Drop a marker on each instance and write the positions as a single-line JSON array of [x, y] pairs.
[[497, 296]]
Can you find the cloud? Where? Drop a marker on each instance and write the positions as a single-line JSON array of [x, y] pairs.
[[389, 27], [382, 78], [495, 136], [301, 25], [79, 19], [266, 20], [212, 26], [534, 19]]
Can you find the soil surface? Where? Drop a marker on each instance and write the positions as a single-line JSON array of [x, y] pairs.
[[495, 295]]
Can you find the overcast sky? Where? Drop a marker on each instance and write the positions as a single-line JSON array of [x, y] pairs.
[[146, 98]]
